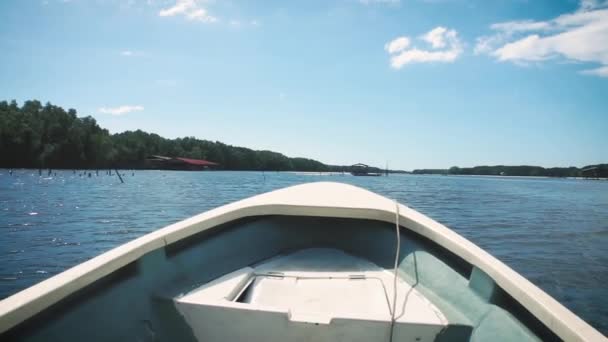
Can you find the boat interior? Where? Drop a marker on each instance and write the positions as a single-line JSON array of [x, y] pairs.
[[290, 278]]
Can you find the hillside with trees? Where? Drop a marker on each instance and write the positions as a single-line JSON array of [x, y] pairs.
[[47, 136]]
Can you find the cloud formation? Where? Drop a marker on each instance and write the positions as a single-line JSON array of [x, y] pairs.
[[445, 47], [121, 110], [437, 37], [131, 53], [397, 45], [581, 36], [190, 9]]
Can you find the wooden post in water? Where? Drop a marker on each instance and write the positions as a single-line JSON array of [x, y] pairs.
[[119, 176]]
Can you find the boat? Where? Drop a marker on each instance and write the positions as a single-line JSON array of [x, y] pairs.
[[313, 262]]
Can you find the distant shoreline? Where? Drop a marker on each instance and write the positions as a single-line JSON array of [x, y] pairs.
[[506, 176], [588, 171], [302, 173], [48, 137]]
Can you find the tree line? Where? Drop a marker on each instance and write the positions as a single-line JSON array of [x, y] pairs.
[[47, 136], [594, 171]]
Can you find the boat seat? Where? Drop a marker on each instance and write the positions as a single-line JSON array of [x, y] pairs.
[[324, 293]]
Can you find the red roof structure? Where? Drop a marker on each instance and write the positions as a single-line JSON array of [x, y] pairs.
[[169, 163], [198, 162]]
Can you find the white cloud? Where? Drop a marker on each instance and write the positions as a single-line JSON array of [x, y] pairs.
[[530, 48], [190, 9], [486, 44], [581, 36], [587, 5], [180, 7], [445, 43], [601, 71], [396, 45], [436, 37], [121, 110], [521, 26], [131, 53]]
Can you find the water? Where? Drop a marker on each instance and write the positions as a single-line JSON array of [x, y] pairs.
[[552, 231]]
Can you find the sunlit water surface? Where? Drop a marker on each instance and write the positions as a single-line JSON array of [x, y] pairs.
[[552, 231]]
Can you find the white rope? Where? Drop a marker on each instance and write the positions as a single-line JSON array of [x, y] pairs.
[[395, 269]]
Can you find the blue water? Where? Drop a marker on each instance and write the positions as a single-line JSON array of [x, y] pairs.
[[552, 231]]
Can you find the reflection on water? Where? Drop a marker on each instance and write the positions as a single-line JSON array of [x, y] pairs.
[[552, 231]]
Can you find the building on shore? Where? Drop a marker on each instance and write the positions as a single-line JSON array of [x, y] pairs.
[[362, 170], [591, 172], [178, 163]]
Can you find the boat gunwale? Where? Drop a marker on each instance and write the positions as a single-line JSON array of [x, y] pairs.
[[564, 323]]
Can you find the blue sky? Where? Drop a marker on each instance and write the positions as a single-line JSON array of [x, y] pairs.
[[420, 84]]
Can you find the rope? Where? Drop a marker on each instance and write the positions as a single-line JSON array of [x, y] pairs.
[[395, 269]]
